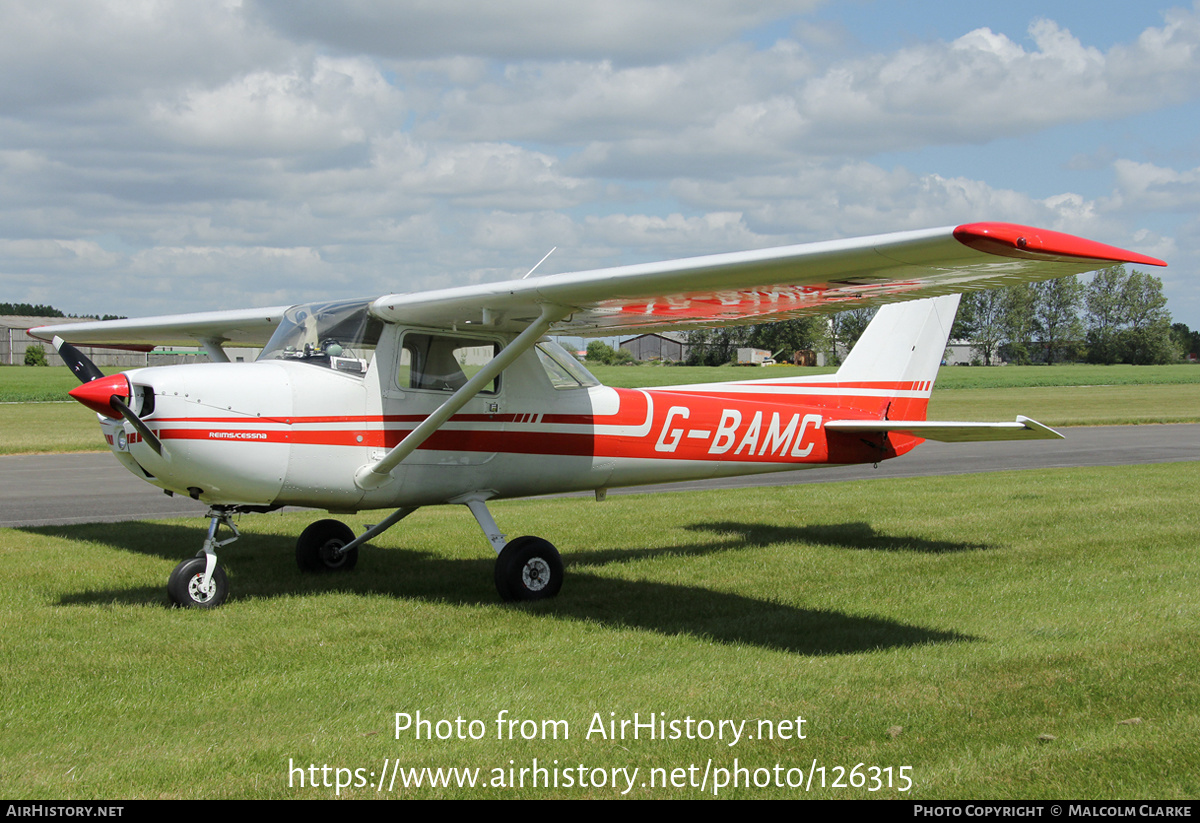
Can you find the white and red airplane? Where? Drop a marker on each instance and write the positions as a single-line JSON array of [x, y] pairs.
[[364, 404]]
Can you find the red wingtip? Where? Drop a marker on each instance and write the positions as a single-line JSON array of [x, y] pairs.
[[96, 394], [1012, 240]]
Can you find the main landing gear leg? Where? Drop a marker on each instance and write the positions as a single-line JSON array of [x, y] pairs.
[[330, 545], [198, 582], [527, 568]]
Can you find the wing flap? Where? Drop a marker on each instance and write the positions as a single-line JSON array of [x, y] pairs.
[[1022, 428]]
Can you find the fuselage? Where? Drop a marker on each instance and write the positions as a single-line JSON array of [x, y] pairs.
[[293, 430]]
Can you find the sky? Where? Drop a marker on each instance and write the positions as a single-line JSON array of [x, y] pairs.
[[162, 157]]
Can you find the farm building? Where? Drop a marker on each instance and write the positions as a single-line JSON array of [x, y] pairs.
[[658, 346]]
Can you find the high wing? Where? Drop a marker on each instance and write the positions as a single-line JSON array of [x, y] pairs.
[[726, 289], [770, 284], [244, 327]]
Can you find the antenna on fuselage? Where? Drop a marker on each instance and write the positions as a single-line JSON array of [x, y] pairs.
[[540, 262]]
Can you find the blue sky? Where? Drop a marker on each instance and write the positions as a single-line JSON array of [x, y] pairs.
[[167, 157]]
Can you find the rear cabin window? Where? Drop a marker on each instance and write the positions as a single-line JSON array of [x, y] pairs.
[[564, 371]]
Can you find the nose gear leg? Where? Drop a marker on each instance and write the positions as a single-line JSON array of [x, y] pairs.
[[199, 582]]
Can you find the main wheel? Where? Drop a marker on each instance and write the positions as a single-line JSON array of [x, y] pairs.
[[528, 568], [185, 585], [317, 548]]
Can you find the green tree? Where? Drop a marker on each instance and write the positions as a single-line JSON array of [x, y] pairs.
[[1056, 323], [35, 355], [1017, 304], [1105, 317], [29, 310], [600, 352], [1128, 321], [788, 336], [846, 327], [1147, 335], [1186, 340], [983, 321], [716, 347]]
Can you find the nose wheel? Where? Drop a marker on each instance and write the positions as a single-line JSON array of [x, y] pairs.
[[188, 589], [198, 582]]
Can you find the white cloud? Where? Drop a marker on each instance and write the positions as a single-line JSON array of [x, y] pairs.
[[630, 30], [1145, 186], [71, 52], [331, 104], [279, 150]]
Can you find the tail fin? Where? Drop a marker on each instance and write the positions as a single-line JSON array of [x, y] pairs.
[[903, 347], [902, 350]]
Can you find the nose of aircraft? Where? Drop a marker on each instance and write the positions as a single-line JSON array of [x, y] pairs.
[[97, 394]]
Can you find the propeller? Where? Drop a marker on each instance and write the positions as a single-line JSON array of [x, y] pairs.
[[104, 395], [76, 361]]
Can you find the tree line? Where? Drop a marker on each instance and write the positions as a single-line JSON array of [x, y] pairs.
[[29, 310], [39, 310], [1119, 316]]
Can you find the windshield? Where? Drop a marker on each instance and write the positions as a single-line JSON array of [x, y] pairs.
[[340, 335]]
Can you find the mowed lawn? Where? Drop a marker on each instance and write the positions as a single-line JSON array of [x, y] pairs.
[[1009, 635], [1075, 395]]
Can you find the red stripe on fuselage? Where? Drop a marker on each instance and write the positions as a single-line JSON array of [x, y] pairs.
[[711, 427]]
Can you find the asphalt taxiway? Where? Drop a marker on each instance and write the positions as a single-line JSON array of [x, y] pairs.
[[61, 489]]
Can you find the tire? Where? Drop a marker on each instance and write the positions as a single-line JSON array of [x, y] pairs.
[[528, 568], [317, 545], [183, 587]]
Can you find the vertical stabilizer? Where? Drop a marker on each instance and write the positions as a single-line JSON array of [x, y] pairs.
[[903, 347], [904, 342]]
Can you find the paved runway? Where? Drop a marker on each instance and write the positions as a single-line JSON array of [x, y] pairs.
[[54, 489]]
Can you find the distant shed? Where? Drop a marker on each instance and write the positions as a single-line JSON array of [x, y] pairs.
[[658, 346]]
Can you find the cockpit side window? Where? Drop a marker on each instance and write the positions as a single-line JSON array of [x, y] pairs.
[[436, 362]]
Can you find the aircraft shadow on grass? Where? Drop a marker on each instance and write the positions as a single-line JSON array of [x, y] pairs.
[[862, 536], [263, 568]]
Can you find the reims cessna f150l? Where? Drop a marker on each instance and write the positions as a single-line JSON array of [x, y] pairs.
[[365, 404]]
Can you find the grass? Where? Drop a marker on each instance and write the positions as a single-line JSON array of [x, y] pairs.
[[1073, 405], [952, 625], [949, 377], [1056, 396], [34, 428], [32, 384]]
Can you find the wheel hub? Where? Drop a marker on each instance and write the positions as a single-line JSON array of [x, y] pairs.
[[331, 553], [536, 574], [199, 592]]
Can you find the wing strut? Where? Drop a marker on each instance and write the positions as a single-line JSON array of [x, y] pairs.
[[212, 347], [374, 475]]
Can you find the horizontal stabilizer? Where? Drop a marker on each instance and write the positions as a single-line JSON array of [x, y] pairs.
[[951, 432]]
